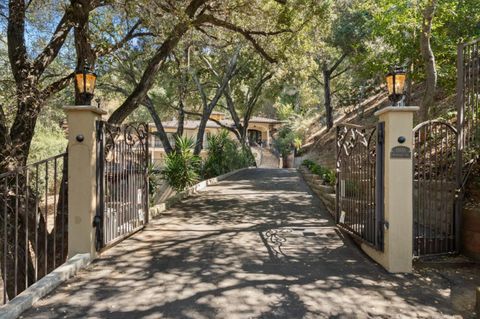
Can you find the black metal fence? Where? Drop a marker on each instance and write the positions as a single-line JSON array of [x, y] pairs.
[[33, 223], [122, 181], [468, 93], [360, 182], [434, 188]]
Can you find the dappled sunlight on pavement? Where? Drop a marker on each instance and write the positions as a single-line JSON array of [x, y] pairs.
[[257, 245]]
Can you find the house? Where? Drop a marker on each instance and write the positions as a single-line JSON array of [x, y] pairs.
[[260, 131]]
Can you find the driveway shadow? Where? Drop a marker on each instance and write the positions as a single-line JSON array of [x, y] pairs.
[[257, 245]]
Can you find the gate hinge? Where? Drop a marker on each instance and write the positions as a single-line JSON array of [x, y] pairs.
[[381, 133], [96, 221], [458, 191]]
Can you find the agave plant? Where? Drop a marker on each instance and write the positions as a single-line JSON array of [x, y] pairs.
[[182, 166]]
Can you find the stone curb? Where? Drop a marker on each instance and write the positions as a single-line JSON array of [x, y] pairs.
[[160, 208], [32, 294]]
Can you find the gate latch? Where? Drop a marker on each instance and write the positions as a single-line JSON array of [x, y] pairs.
[[386, 225]]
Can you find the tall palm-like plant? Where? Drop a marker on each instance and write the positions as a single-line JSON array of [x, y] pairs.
[[182, 166]]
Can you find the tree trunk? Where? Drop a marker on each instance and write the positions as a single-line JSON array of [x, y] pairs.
[[428, 58], [409, 85], [201, 132], [181, 119], [159, 126], [328, 97], [85, 53]]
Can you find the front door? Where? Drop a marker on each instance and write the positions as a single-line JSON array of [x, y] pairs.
[[255, 136]]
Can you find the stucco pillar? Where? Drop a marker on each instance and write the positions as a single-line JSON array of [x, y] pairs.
[[398, 190], [82, 178]]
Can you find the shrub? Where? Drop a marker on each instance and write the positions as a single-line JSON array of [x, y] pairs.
[[225, 155], [182, 166], [328, 176], [308, 163], [154, 175]]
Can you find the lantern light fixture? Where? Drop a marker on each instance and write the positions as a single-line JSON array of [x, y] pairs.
[[85, 80], [396, 85]]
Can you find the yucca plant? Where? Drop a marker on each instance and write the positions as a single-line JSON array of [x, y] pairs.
[[182, 166]]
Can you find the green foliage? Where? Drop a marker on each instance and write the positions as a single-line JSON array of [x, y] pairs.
[[49, 140], [154, 176], [328, 176], [284, 111], [182, 166], [284, 142], [225, 155]]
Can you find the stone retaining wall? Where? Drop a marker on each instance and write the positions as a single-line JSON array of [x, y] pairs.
[[471, 232], [326, 193]]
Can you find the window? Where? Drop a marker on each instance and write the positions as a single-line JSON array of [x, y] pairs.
[[171, 139]]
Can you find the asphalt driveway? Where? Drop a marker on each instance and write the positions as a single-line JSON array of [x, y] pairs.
[[258, 245]]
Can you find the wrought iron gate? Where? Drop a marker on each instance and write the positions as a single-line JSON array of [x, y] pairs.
[[360, 169], [434, 188], [122, 181], [468, 93]]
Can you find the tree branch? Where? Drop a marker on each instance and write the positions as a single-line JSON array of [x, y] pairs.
[[200, 88], [219, 123], [257, 90], [337, 63], [247, 34], [155, 64], [50, 52], [231, 109], [99, 52], [339, 73], [57, 86], [317, 80]]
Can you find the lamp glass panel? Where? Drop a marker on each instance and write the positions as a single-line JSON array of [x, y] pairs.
[[90, 83], [390, 84], [79, 82], [400, 83]]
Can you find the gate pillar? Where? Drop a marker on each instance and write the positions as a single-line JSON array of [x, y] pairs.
[[398, 190], [82, 166]]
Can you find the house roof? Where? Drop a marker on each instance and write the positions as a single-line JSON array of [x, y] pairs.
[[259, 119], [193, 124]]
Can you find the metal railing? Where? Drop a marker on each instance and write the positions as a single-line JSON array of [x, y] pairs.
[[33, 223]]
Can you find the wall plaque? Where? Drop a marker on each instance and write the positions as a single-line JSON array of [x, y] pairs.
[[400, 152]]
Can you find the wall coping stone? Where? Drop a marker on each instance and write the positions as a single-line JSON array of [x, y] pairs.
[[397, 109], [90, 108]]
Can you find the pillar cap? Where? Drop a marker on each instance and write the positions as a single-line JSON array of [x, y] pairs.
[[85, 108], [389, 109]]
